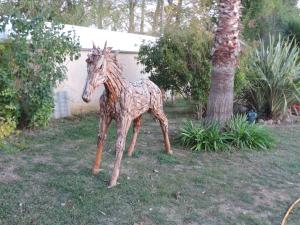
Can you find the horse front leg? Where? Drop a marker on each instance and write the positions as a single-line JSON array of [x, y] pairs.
[[136, 128], [103, 128], [122, 128]]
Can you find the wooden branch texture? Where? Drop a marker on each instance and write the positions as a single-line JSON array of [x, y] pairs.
[[122, 101]]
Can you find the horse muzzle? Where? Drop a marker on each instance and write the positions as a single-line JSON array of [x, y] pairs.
[[86, 98]]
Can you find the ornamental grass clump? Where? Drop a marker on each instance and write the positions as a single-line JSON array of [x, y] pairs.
[[237, 133], [203, 137], [242, 134]]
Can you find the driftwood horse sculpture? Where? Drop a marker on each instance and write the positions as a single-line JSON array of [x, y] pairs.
[[122, 101]]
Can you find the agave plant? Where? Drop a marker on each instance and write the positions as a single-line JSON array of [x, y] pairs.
[[275, 77]]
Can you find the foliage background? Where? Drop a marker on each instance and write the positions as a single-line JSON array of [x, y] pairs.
[[262, 17]]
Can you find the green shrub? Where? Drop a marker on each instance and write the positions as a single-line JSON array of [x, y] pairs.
[[8, 104], [240, 133], [273, 77], [180, 62], [261, 17], [202, 137], [241, 75], [237, 133], [7, 127], [32, 67], [293, 23]]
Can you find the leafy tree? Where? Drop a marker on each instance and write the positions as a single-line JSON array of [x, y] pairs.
[[180, 62], [261, 17], [143, 16], [35, 57]]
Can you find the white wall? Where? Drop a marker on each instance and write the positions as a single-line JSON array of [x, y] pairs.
[[76, 76]]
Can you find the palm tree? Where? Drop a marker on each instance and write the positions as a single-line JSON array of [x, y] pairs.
[[224, 59]]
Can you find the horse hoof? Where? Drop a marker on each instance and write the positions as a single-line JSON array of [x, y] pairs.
[[112, 185], [96, 171]]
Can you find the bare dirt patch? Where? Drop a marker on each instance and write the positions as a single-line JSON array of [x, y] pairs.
[[7, 174]]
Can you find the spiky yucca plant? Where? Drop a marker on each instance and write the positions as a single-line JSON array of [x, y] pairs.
[[275, 77]]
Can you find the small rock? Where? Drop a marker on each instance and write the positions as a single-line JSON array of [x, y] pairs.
[[269, 122], [278, 122], [177, 195], [141, 223], [288, 120], [294, 118], [261, 121]]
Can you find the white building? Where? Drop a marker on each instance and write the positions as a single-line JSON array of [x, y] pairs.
[[68, 93]]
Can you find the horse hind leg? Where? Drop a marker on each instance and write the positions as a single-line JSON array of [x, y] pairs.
[[136, 128], [160, 115]]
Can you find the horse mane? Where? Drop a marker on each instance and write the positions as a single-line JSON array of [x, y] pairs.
[[114, 70], [113, 65]]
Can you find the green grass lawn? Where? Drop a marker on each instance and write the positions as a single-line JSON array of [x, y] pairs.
[[45, 178]]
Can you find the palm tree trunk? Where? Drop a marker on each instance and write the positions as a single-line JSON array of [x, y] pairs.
[[225, 53]]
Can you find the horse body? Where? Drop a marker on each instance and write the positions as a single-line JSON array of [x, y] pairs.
[[122, 101], [136, 98]]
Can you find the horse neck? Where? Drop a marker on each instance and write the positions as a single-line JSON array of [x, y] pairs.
[[115, 82]]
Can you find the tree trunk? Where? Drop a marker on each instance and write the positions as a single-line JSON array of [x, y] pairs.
[[100, 9], [178, 12], [142, 17], [225, 53], [156, 17], [161, 29], [132, 4]]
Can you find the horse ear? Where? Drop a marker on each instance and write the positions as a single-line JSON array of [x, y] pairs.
[[109, 49]]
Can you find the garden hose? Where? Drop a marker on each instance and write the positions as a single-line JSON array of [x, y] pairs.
[[289, 211]]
